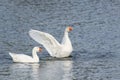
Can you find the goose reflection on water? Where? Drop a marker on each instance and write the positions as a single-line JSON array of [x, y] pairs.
[[47, 70], [56, 70], [24, 71]]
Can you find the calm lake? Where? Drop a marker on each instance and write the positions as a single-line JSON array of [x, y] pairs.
[[95, 39]]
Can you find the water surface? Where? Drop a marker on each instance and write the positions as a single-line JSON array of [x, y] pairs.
[[95, 38]]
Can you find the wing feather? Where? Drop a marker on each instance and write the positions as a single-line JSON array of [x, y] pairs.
[[47, 40]]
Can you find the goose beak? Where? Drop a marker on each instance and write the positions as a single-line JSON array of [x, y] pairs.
[[70, 28], [40, 49]]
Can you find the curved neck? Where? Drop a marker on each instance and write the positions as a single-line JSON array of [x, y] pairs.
[[34, 54], [66, 41], [66, 35], [65, 38]]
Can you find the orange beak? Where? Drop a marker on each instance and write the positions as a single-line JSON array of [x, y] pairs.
[[40, 49], [70, 28]]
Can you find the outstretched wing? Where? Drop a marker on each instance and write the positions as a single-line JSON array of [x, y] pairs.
[[47, 40]]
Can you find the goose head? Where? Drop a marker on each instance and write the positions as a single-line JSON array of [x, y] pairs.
[[37, 49], [69, 28]]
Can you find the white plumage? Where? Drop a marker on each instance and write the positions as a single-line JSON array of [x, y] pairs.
[[26, 58], [54, 48]]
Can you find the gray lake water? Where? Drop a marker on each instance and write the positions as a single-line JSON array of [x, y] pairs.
[[95, 39]]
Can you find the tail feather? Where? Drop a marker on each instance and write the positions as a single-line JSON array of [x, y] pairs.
[[11, 54]]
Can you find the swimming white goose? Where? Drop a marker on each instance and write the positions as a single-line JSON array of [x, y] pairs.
[[26, 58], [54, 48]]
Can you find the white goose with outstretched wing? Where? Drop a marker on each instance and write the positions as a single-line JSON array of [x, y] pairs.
[[54, 48]]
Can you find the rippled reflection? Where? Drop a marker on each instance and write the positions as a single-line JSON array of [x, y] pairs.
[[24, 71], [57, 70], [47, 70]]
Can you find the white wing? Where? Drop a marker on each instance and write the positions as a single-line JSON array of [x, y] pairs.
[[47, 40], [21, 57]]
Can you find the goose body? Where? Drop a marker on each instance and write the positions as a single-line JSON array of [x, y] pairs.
[[54, 48], [26, 58]]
